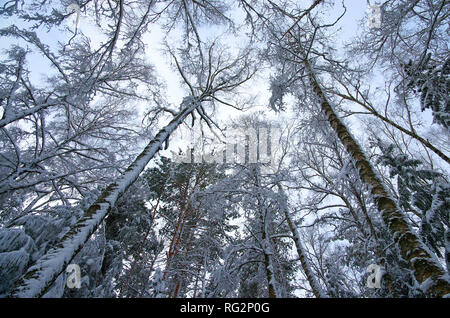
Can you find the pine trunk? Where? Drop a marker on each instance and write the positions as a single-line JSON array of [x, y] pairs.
[[424, 266]]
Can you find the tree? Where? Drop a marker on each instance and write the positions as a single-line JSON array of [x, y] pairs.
[[337, 214], [192, 235], [412, 249], [410, 68], [223, 76], [433, 84], [422, 193]]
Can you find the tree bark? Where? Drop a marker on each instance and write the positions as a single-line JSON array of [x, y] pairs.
[[423, 265], [39, 277], [268, 251], [313, 283]]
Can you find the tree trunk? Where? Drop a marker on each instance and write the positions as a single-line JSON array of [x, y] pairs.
[[313, 283], [264, 220], [424, 266], [39, 277]]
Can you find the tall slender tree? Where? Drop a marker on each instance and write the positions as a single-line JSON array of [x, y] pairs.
[[426, 269]]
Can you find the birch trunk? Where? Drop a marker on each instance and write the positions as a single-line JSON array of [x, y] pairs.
[[39, 277]]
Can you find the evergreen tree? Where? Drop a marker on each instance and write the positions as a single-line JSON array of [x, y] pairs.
[[432, 83], [422, 193]]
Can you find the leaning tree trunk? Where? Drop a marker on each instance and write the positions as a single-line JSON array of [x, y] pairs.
[[306, 266], [424, 266], [39, 277]]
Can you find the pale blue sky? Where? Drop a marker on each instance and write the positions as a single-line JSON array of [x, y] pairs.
[[356, 10]]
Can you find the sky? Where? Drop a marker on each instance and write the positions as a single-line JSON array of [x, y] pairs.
[[349, 27], [174, 93], [153, 40], [356, 9]]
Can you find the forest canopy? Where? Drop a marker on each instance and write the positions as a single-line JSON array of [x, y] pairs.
[[224, 148]]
